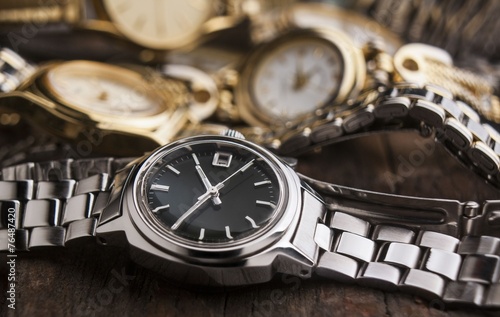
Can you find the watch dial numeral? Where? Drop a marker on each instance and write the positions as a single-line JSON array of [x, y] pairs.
[[202, 234]]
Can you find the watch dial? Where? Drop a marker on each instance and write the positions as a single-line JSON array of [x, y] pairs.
[[160, 24], [103, 89], [296, 77], [212, 191]]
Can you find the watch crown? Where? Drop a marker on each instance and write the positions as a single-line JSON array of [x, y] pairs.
[[233, 134]]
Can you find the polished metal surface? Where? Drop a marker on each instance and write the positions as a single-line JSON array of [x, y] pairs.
[[77, 207], [55, 202], [42, 213], [443, 262], [462, 270], [438, 241], [401, 254], [406, 106]]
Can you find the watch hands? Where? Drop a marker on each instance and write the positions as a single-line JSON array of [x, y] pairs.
[[212, 192], [301, 77], [200, 202], [204, 179], [241, 170]]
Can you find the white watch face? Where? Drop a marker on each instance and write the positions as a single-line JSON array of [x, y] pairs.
[[102, 89], [296, 77], [160, 24]]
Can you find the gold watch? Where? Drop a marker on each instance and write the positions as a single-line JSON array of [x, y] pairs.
[[153, 24], [313, 59], [101, 107]]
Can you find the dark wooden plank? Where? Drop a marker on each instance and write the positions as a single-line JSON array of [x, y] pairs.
[[97, 281]]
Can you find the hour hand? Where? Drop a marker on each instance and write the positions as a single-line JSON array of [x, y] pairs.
[[204, 179]]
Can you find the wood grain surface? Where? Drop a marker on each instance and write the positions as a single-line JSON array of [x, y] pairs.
[[92, 280]]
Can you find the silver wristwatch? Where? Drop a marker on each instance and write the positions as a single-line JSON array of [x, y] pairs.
[[222, 211]]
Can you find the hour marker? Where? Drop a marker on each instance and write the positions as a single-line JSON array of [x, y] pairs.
[[195, 158], [258, 184], [252, 222], [228, 232], [163, 188], [202, 234], [265, 203], [160, 208], [222, 159], [170, 167]]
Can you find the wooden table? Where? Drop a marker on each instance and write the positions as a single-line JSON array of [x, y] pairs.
[[99, 281]]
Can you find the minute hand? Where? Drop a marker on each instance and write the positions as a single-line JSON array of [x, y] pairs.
[[241, 170]]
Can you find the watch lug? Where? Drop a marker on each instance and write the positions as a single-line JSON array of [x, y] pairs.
[[298, 256], [112, 233], [114, 206]]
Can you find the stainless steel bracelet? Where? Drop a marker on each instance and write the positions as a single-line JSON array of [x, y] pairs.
[[13, 70], [443, 250], [430, 109], [430, 264], [53, 203]]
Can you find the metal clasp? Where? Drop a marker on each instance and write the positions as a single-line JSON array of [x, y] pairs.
[[483, 220], [438, 215]]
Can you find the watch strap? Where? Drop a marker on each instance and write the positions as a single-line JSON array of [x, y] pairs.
[[53, 203], [437, 266], [430, 109]]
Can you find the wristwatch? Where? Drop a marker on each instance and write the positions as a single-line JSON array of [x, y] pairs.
[[313, 59], [157, 25], [222, 211], [105, 108]]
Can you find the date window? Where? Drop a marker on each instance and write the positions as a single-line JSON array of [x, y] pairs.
[[222, 159]]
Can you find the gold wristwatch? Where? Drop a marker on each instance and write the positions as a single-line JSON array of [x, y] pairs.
[[153, 24], [315, 66], [309, 58], [104, 108]]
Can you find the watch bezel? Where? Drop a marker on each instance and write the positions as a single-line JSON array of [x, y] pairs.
[[154, 231], [354, 71]]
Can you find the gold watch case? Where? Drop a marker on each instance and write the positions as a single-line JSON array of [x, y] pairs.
[[346, 62], [170, 25], [77, 101]]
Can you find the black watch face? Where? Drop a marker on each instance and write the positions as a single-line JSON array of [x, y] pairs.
[[215, 191]]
